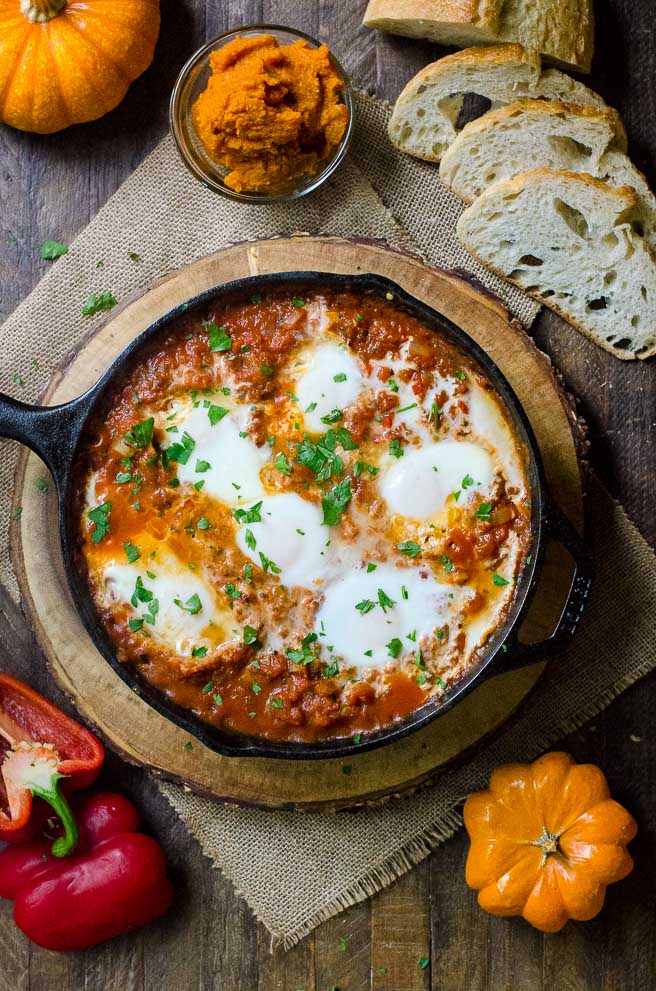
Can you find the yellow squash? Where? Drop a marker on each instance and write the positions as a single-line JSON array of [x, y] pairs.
[[546, 840], [65, 62]]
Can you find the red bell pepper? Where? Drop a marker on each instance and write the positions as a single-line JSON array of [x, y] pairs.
[[115, 881], [40, 747]]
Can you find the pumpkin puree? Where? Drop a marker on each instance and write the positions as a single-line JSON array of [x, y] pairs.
[[270, 113]]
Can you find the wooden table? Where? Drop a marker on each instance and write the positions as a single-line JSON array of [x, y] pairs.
[[50, 188]]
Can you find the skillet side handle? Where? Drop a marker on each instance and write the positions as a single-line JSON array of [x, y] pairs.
[[560, 531], [49, 431]]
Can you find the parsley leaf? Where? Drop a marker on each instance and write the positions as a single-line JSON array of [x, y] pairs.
[[220, 339], [251, 515], [132, 551], [193, 605], [180, 452], [199, 652], [362, 466], [483, 511], [282, 464], [395, 449], [447, 562], [97, 302], [385, 601], [100, 517], [410, 548], [365, 606], [216, 413], [52, 249], [269, 565], [499, 580], [394, 647], [334, 416], [141, 434], [340, 377], [335, 502], [250, 541], [250, 635]]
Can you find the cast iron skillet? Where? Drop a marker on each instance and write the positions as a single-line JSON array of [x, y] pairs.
[[55, 434]]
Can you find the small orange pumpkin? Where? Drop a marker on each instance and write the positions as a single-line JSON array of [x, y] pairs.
[[65, 62], [546, 840]]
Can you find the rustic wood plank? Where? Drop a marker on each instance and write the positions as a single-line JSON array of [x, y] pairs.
[[342, 950], [285, 971], [400, 934]]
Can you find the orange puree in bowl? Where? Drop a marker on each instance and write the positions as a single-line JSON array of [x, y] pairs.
[[270, 113]]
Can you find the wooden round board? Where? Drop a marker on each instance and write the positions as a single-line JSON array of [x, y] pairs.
[[140, 734]]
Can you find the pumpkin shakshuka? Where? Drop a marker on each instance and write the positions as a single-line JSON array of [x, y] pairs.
[[302, 518]]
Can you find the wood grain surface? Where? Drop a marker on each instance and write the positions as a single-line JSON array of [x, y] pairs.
[[140, 734], [51, 188]]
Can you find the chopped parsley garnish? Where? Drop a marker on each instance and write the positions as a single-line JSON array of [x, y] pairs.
[[134, 625], [321, 457], [199, 652], [97, 302], [220, 339], [340, 377], [43, 486], [123, 477], [276, 703], [334, 503], [250, 540], [365, 606], [255, 688], [180, 452], [298, 302], [499, 580], [209, 687], [52, 249], [331, 670], [251, 515], [141, 593], [404, 409], [267, 371], [409, 547], [269, 565], [483, 511], [395, 449], [193, 605], [100, 517], [346, 769], [306, 654], [361, 466], [311, 408], [217, 700], [467, 482], [461, 376], [202, 466], [393, 385], [204, 524], [141, 434], [435, 414], [255, 298], [216, 413], [250, 635], [447, 562], [334, 416], [423, 963], [132, 551], [282, 463], [394, 647], [371, 567], [385, 601], [232, 591]]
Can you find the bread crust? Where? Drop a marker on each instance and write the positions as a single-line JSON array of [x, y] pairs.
[[562, 29]]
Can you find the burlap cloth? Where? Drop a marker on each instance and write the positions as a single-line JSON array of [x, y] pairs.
[[297, 870]]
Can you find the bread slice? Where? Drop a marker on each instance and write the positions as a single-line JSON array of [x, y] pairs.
[[568, 239], [559, 136], [562, 30], [425, 117]]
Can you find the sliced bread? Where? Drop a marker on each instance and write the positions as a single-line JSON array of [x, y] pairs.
[[425, 117], [564, 137], [563, 30], [568, 239]]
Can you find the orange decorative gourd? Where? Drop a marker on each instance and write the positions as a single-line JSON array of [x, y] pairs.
[[64, 62], [546, 840]]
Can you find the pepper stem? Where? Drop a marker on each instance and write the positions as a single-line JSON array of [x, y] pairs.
[[65, 845], [41, 11]]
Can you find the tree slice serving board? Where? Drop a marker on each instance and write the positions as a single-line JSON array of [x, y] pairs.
[[140, 734]]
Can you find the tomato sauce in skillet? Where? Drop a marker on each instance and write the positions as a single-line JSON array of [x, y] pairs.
[[302, 518]]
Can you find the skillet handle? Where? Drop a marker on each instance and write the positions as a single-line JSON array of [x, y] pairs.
[[561, 531], [50, 431]]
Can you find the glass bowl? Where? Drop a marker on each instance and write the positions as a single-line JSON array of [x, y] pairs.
[[193, 80]]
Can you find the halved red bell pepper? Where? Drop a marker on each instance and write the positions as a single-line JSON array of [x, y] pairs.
[[115, 881], [41, 749]]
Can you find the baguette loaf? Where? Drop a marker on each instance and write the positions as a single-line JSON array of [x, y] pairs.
[[562, 30], [559, 136], [425, 117], [568, 239]]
